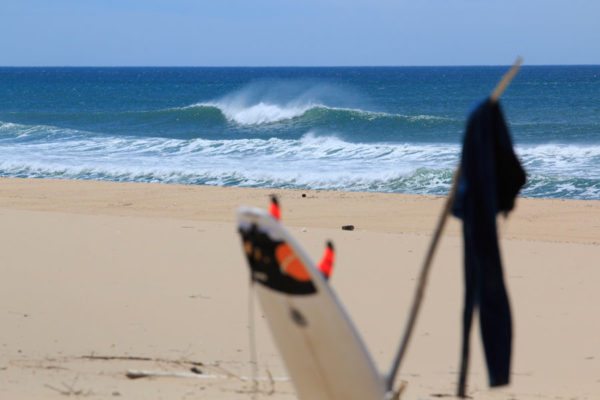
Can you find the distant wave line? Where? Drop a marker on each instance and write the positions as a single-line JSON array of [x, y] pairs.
[[265, 113], [259, 114]]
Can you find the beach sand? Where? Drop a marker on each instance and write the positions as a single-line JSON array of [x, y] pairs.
[[97, 279]]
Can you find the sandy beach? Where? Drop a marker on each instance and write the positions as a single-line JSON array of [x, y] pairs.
[[98, 279]]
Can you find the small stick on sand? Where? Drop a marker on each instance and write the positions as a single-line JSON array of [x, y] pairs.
[[136, 374]]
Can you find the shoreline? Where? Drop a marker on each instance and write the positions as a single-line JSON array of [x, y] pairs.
[[532, 218], [99, 278]]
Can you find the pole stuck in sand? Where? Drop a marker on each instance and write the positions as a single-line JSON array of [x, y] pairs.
[[422, 282]]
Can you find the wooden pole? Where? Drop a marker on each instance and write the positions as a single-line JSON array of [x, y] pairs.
[[422, 282], [505, 81]]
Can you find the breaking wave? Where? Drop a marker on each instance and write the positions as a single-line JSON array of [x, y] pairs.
[[312, 161], [267, 113]]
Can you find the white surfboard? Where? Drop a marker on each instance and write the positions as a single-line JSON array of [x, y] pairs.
[[320, 347]]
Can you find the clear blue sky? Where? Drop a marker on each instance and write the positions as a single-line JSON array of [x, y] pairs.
[[297, 32]]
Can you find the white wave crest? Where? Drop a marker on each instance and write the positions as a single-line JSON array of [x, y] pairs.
[[9, 130], [265, 102], [580, 161], [267, 113], [260, 113], [6, 125], [271, 102]]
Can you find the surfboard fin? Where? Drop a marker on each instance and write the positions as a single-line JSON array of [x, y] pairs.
[[274, 210], [326, 264]]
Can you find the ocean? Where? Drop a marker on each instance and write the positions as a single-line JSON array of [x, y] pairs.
[[381, 129]]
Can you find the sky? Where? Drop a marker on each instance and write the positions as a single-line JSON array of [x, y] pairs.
[[298, 32]]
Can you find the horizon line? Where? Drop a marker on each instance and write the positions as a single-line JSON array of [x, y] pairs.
[[296, 66]]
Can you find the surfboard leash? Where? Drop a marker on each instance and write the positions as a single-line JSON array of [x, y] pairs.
[[252, 340]]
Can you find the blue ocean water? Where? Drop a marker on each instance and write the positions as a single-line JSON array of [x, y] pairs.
[[395, 129]]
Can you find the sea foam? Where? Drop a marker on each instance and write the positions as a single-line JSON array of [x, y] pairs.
[[260, 113]]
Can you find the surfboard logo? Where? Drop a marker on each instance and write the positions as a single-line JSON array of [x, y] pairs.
[[274, 264], [290, 263], [298, 318]]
